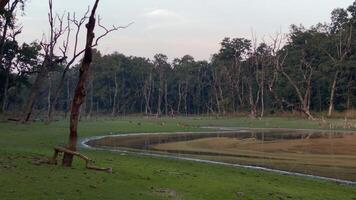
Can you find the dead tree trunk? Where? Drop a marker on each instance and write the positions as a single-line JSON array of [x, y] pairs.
[[147, 92], [271, 84], [304, 101], [179, 97], [262, 86], [114, 105], [332, 94], [50, 59], [186, 98], [41, 76], [79, 95], [215, 87], [160, 91], [166, 98]]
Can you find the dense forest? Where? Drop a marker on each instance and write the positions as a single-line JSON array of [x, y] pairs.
[[309, 70]]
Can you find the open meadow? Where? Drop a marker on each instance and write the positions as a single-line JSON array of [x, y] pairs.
[[142, 177]]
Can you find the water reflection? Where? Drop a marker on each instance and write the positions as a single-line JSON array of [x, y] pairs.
[[328, 154]]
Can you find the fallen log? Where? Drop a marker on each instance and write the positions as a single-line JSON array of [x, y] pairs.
[[59, 150]]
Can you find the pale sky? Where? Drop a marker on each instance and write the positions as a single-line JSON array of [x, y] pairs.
[[180, 27]]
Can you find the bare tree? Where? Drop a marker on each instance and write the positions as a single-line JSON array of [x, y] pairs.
[[276, 60], [84, 72], [79, 95], [50, 59], [338, 54], [303, 97]]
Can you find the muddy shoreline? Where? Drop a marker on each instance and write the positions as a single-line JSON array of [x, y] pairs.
[[273, 150]]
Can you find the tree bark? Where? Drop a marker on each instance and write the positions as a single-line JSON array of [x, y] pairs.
[[332, 94], [79, 95]]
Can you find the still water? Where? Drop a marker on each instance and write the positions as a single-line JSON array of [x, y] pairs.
[[327, 154]]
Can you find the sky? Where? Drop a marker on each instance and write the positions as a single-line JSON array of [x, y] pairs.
[[180, 27]]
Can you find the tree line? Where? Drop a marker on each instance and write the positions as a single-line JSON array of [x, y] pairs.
[[308, 70]]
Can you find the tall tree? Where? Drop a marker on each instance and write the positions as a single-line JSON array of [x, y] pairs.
[[79, 95]]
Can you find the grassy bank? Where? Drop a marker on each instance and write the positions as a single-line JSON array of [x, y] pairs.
[[137, 177]]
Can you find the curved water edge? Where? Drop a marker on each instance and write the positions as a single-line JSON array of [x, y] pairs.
[[84, 143]]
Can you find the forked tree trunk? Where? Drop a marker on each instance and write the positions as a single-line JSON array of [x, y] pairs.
[[79, 95], [305, 102]]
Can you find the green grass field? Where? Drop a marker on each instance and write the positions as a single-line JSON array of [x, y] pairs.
[[139, 177]]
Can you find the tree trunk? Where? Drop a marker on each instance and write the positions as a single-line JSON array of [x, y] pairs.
[[56, 95], [186, 98], [166, 98], [332, 94], [303, 101], [41, 76], [114, 105], [262, 86], [179, 97], [216, 92], [6, 87], [160, 91], [79, 95], [147, 92], [253, 109]]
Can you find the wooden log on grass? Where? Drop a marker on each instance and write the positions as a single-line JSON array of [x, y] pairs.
[[58, 150]]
